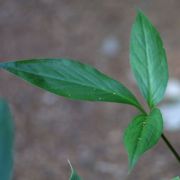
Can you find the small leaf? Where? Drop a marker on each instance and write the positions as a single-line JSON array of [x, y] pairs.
[[6, 142], [142, 134], [74, 175], [176, 178], [71, 79], [148, 60]]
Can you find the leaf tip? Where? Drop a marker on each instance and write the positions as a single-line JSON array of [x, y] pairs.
[[4, 65], [132, 163], [1, 65], [140, 14]]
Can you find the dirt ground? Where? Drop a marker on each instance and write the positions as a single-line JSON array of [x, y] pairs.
[[51, 129]]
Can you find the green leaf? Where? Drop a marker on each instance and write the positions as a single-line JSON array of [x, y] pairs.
[[71, 79], [148, 60], [176, 178], [142, 134], [6, 142], [74, 175]]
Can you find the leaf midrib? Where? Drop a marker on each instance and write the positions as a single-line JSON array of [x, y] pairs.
[[147, 57], [140, 135], [50, 77]]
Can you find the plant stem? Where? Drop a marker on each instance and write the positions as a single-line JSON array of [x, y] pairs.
[[171, 147], [141, 109]]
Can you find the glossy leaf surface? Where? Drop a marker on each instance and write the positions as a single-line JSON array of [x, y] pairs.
[[142, 134], [148, 60], [6, 142], [71, 79]]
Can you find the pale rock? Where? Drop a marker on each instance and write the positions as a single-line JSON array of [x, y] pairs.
[[173, 89], [171, 115], [110, 46]]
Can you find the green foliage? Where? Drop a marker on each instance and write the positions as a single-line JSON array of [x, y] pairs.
[[148, 60], [142, 134], [75, 80], [74, 175], [71, 79], [6, 142], [176, 178]]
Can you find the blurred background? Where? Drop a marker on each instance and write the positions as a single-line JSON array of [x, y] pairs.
[[51, 129]]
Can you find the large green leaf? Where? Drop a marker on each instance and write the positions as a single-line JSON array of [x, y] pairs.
[[6, 142], [71, 79], [148, 60], [74, 175], [142, 134]]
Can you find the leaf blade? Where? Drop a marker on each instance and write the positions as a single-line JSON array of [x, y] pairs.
[[148, 60], [71, 79], [6, 141], [142, 134]]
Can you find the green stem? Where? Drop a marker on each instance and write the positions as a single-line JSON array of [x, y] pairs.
[[171, 147], [141, 109]]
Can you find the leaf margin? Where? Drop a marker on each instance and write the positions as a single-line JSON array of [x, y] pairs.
[[155, 99], [131, 100]]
